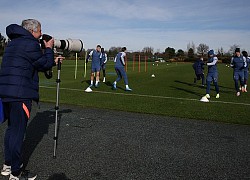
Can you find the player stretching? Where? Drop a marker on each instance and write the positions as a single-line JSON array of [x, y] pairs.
[[212, 74], [120, 70], [238, 63], [246, 70]]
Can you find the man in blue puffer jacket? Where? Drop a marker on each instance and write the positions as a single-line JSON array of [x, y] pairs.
[[19, 85]]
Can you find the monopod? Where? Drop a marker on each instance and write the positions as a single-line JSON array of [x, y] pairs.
[[57, 105]]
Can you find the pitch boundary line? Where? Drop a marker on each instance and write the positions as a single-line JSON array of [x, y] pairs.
[[149, 96]]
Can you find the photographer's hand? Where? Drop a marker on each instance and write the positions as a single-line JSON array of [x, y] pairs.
[[49, 44], [61, 58]]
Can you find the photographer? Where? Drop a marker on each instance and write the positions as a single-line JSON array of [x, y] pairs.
[[19, 85]]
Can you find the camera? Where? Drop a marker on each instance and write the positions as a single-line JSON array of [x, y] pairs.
[[74, 45]]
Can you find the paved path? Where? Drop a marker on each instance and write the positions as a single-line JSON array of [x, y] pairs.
[[97, 144]]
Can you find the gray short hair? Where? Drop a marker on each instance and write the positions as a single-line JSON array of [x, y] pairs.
[[31, 24]]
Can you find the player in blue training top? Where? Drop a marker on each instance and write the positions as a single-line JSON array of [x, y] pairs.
[[120, 70], [212, 74], [238, 63], [246, 69], [198, 67], [104, 59], [95, 65]]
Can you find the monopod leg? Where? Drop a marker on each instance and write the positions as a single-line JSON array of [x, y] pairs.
[[57, 106]]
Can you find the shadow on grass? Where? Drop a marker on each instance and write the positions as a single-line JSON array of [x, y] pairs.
[[186, 83], [221, 88], [36, 129], [57, 176], [188, 91]]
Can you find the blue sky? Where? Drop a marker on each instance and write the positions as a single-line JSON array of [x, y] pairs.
[[137, 23]]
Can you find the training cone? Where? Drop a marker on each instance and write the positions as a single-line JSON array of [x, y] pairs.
[[152, 75], [88, 89], [204, 99]]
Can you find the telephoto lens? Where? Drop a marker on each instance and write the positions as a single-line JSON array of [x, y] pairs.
[[74, 45]]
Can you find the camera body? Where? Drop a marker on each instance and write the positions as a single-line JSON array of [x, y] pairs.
[[73, 45]]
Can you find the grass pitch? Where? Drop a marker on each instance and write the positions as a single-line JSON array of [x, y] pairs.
[[170, 93]]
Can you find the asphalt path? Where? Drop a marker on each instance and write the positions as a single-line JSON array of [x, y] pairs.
[[99, 144]]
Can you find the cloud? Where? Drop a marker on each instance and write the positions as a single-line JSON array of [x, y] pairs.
[[137, 24]]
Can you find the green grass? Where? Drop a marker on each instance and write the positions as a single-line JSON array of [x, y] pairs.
[[170, 93]]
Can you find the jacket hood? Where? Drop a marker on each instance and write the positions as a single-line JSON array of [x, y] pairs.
[[14, 31]]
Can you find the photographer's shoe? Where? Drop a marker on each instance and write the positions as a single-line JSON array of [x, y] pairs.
[[6, 171], [25, 175]]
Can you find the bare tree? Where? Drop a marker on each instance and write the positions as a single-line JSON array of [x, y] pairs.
[[2, 44], [202, 49], [220, 51], [232, 48], [148, 50], [191, 46]]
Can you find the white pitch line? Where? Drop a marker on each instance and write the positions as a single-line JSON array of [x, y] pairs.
[[149, 96]]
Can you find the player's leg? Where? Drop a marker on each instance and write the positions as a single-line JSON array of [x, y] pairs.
[[236, 83], [119, 77]]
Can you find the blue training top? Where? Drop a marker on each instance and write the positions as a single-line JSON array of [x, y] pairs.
[[119, 60], [238, 63], [198, 66], [212, 67], [104, 58], [96, 58]]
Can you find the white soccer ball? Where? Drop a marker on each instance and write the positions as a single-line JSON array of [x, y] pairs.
[[152, 75]]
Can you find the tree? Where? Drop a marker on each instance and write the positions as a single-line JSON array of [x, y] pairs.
[[148, 51], [191, 54], [220, 52], [232, 48], [2, 44], [202, 49], [113, 51], [170, 53], [180, 54], [191, 45]]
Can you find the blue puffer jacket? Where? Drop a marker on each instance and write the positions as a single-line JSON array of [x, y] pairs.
[[22, 60]]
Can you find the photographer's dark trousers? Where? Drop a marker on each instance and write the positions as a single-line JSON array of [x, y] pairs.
[[17, 113]]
